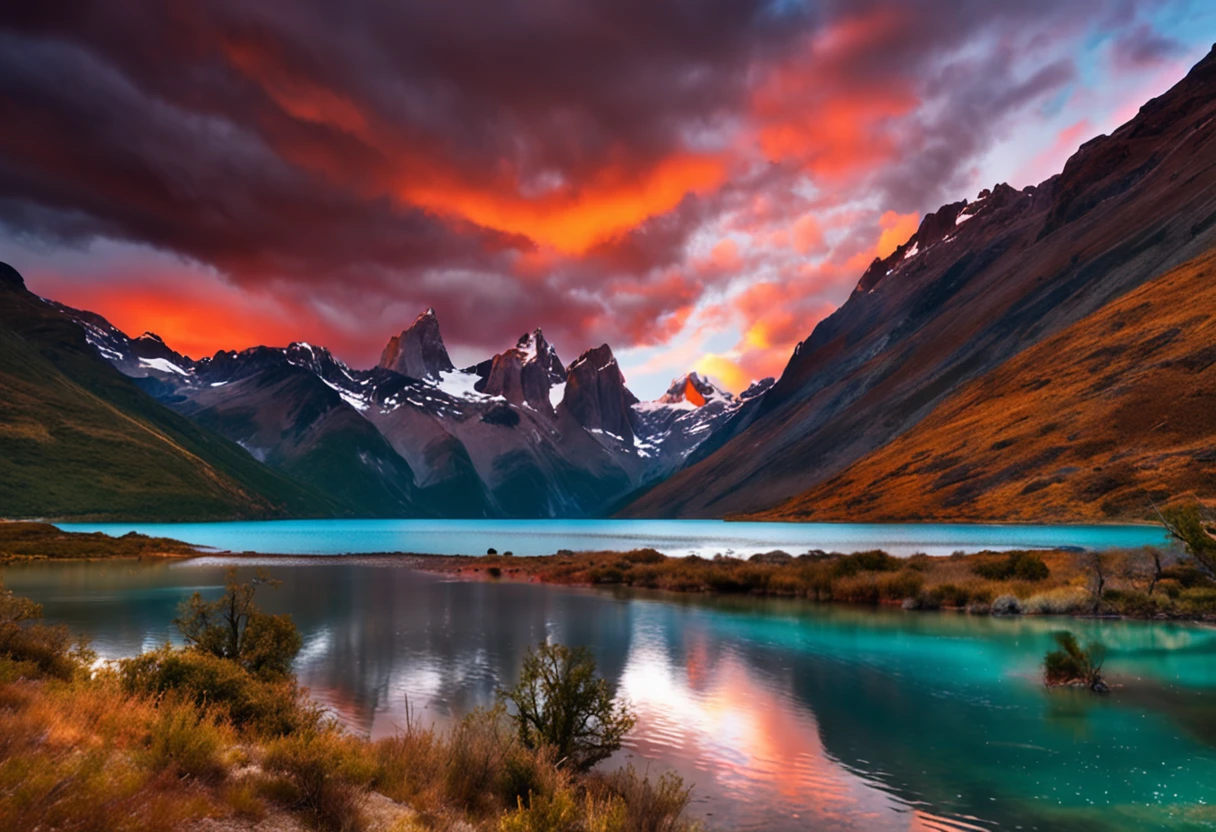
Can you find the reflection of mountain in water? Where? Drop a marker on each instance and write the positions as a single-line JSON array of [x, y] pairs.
[[375, 636]]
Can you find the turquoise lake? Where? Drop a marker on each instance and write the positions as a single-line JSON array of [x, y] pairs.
[[783, 715], [672, 537]]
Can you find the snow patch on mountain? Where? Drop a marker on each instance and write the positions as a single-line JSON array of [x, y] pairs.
[[162, 364]]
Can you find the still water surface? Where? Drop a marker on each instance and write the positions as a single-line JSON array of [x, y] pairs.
[[785, 716], [672, 537]]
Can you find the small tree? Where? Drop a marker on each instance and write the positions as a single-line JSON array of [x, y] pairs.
[[1144, 566], [560, 702], [24, 638], [1072, 664], [1096, 566], [1189, 524], [232, 627]]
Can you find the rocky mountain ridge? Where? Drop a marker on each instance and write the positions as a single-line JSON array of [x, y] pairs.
[[518, 434]]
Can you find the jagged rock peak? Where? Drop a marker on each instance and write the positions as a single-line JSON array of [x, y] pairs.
[[418, 352], [151, 336], [596, 394], [601, 357], [694, 389], [535, 348]]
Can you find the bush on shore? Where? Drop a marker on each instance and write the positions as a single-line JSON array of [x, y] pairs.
[[177, 735]]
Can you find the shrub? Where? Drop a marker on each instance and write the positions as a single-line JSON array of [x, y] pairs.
[[606, 575], [1022, 566], [188, 740], [242, 798], [896, 586], [557, 812], [1063, 600], [857, 589], [327, 774], [232, 627], [271, 707], [645, 556], [473, 770], [560, 702], [1072, 664], [43, 650], [1186, 574], [1197, 600], [953, 595], [637, 804], [1133, 602], [1169, 587], [1007, 605], [872, 561]]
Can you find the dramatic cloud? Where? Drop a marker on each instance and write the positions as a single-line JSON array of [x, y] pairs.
[[706, 178]]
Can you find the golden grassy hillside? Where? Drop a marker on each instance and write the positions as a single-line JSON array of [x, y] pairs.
[[1117, 410]]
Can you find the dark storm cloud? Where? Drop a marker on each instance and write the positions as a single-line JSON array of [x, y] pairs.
[[513, 163]]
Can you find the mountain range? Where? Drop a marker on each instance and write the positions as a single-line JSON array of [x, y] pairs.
[[518, 435], [1033, 354]]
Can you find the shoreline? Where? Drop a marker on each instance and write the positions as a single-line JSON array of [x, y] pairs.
[[928, 583], [1134, 583]]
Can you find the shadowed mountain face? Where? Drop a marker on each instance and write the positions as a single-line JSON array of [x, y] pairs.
[[79, 439], [518, 435], [418, 352], [978, 283], [1112, 414]]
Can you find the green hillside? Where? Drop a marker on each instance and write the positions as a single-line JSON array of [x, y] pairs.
[[80, 440]]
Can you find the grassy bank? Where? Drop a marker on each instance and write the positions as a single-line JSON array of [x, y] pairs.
[[185, 739], [1139, 583], [21, 540]]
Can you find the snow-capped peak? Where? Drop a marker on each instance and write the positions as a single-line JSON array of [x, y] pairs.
[[694, 389]]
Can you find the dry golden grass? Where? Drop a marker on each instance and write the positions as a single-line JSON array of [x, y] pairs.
[[184, 740]]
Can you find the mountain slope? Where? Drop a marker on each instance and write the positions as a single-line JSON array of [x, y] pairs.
[[978, 283], [1116, 411], [285, 414], [79, 439]]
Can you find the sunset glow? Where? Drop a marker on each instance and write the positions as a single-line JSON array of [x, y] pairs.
[[698, 194]]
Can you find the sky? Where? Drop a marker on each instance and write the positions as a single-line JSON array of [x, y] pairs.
[[696, 184]]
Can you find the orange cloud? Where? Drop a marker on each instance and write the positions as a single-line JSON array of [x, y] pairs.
[[817, 112], [570, 219], [896, 229], [194, 314], [725, 256], [808, 235], [724, 371]]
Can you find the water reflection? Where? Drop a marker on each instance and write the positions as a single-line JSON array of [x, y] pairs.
[[784, 715]]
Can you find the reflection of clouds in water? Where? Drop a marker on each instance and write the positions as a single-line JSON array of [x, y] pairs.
[[315, 648], [718, 719]]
